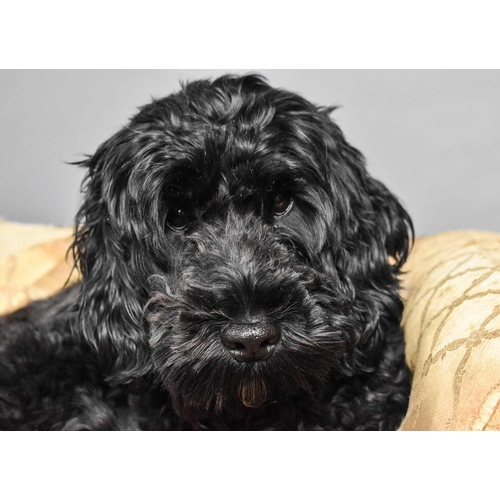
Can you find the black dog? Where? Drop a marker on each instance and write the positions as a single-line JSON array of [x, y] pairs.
[[240, 271]]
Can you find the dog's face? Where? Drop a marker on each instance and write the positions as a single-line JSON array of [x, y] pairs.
[[233, 244]]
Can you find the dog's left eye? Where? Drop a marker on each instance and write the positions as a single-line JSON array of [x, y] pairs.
[[282, 204], [177, 218]]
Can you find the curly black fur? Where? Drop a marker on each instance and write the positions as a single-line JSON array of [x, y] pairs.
[[179, 237]]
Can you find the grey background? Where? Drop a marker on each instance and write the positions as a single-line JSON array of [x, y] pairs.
[[431, 136]]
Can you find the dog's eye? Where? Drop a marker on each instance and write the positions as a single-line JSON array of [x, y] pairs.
[[177, 218], [282, 204]]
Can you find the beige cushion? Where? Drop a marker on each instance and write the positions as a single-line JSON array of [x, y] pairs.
[[452, 316], [33, 263], [452, 328]]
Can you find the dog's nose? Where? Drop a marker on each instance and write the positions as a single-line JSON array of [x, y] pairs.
[[251, 341]]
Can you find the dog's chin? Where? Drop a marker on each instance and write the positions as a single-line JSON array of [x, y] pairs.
[[239, 400], [234, 400], [218, 388]]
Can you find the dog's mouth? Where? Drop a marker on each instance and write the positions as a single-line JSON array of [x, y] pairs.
[[198, 398], [253, 392]]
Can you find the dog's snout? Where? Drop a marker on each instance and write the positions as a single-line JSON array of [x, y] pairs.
[[251, 341]]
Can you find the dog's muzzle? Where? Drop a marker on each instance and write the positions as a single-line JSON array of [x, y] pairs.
[[251, 341]]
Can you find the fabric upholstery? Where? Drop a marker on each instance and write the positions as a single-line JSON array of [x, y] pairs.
[[33, 263], [452, 328]]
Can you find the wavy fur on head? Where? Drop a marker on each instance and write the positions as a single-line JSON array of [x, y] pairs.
[[228, 203]]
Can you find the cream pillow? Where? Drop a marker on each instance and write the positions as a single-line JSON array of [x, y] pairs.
[[452, 329]]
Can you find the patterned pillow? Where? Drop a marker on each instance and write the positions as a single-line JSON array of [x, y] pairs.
[[452, 328]]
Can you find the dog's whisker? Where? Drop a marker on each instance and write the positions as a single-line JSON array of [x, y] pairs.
[[132, 130]]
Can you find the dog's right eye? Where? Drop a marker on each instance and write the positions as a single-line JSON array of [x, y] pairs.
[[282, 204], [177, 218]]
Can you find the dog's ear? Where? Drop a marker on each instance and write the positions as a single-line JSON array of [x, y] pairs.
[[368, 239], [106, 251], [370, 230]]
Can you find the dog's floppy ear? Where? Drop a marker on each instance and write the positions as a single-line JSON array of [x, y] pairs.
[[388, 223], [372, 228], [369, 234], [105, 250]]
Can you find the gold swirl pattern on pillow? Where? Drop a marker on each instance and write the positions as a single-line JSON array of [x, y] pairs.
[[452, 328], [451, 289]]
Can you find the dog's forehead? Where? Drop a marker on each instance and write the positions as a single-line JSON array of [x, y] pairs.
[[225, 159], [211, 143]]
